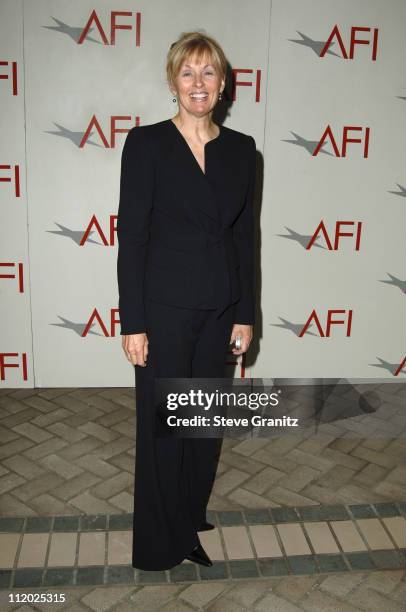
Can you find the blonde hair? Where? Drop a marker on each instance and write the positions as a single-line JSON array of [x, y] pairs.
[[196, 44]]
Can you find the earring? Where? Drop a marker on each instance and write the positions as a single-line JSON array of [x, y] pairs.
[[220, 96], [174, 99]]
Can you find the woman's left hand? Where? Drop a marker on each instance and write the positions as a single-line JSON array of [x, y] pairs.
[[245, 331]]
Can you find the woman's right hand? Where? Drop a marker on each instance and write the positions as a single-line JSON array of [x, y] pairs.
[[135, 347]]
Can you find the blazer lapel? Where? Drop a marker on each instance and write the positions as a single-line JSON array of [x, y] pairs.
[[203, 197]]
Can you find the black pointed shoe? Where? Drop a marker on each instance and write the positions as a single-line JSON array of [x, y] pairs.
[[199, 555], [205, 526]]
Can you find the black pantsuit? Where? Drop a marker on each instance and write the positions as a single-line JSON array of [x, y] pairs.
[[185, 271]]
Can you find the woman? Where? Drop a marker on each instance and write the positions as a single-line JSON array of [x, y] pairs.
[[185, 275]]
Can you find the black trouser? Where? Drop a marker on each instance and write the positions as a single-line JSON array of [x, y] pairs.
[[174, 476]]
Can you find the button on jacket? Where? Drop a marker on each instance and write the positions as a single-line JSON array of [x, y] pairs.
[[186, 237]]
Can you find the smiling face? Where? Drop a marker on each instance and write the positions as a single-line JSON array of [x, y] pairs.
[[198, 86]]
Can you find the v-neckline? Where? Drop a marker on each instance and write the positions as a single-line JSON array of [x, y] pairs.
[[204, 146]]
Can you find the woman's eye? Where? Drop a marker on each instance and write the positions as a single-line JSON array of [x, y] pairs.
[[188, 73]]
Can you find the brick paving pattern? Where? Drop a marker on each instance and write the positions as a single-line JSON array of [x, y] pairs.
[[71, 451], [76, 550], [368, 592], [309, 522]]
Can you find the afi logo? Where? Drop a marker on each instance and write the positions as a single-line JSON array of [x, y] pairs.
[[328, 135], [236, 83], [321, 230], [401, 366], [13, 77], [329, 322], [21, 364], [109, 38], [19, 275], [336, 35], [110, 141], [15, 178], [95, 317], [94, 223]]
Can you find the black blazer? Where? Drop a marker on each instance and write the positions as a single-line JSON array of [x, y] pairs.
[[186, 237]]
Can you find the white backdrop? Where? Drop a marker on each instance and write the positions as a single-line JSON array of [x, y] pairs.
[[59, 317]]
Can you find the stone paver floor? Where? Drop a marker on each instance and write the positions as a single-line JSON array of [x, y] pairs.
[[72, 451], [310, 522], [370, 592]]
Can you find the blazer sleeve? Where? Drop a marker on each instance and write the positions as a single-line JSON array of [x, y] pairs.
[[243, 236], [133, 221]]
